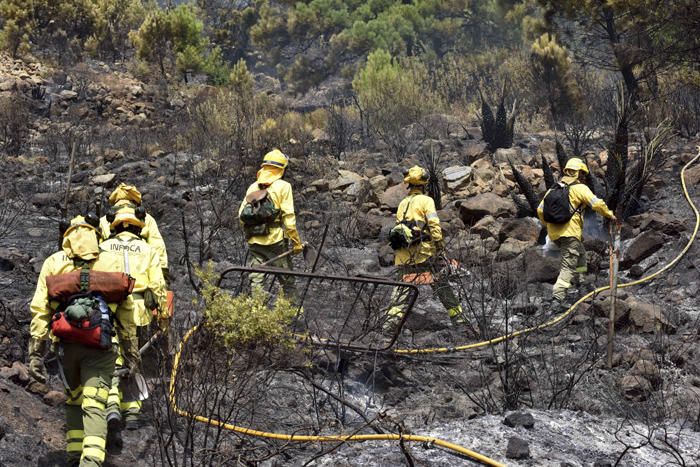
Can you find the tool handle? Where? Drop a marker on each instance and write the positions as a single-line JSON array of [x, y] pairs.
[[280, 256]]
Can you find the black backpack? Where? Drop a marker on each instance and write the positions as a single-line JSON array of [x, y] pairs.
[[406, 233], [259, 214], [557, 207]]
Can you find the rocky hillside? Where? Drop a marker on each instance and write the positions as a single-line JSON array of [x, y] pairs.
[[544, 399]]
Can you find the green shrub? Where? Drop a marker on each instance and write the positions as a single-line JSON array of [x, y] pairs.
[[113, 21], [393, 93], [174, 41], [554, 79], [246, 319]]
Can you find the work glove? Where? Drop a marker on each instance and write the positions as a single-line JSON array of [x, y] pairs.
[[150, 300], [37, 350], [297, 246]]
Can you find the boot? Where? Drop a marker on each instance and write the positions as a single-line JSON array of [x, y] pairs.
[[115, 443]]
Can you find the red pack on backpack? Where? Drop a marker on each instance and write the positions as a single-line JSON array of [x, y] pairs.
[[94, 330]]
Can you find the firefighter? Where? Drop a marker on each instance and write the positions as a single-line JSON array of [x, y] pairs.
[[561, 211], [271, 226], [127, 252], [420, 242], [87, 370]]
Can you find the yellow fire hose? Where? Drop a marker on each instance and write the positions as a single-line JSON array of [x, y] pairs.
[[306, 438], [416, 438]]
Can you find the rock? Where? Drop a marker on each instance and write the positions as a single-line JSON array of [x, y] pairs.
[[112, 155], [642, 247], [68, 95], [526, 229], [199, 169], [44, 199], [360, 190], [456, 177], [9, 373], [370, 226], [648, 318], [487, 227], [658, 222], [517, 449], [538, 267], [22, 373], [36, 232], [486, 204], [635, 388], [364, 267], [54, 398], [513, 155], [379, 183], [136, 91], [483, 169], [392, 196], [8, 85], [103, 180], [648, 370], [510, 249], [523, 419], [473, 149], [386, 256], [321, 185], [345, 179], [692, 176], [601, 308]]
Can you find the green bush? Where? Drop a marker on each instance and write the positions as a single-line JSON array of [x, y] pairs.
[[174, 41], [554, 79], [245, 320], [393, 93]]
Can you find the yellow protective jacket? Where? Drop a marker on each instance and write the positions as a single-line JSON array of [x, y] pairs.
[[420, 208], [126, 252], [150, 233], [41, 307], [579, 195], [280, 192]]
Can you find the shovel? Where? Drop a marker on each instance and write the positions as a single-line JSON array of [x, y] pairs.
[[308, 253], [134, 386]]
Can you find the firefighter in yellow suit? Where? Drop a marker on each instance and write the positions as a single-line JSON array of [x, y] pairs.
[[284, 230], [129, 197], [88, 371], [127, 252], [417, 258], [569, 236]]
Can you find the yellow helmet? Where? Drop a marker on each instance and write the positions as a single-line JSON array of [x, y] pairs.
[[276, 158], [576, 164], [127, 216], [125, 192], [90, 221], [80, 239], [417, 175]]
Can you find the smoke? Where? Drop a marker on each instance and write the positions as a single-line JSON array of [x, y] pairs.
[[593, 226]]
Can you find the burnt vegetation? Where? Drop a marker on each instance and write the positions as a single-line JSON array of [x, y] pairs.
[[492, 98]]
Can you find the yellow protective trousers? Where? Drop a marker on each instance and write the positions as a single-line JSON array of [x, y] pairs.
[[573, 265], [88, 373], [442, 289], [260, 254]]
